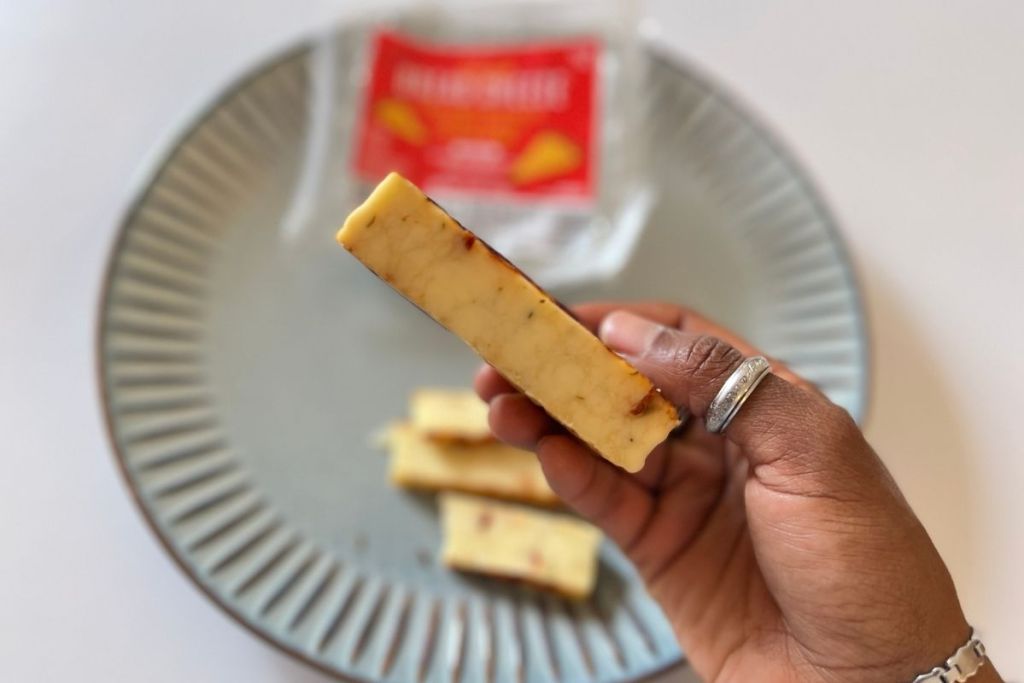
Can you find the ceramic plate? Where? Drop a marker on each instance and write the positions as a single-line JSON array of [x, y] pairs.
[[245, 364]]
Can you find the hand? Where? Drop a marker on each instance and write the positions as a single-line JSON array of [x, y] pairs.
[[781, 551]]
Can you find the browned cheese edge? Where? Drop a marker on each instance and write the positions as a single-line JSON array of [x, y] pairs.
[[470, 241]]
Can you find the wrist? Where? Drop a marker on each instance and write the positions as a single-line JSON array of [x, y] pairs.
[[969, 661]]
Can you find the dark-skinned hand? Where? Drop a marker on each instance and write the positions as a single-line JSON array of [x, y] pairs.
[[780, 551]]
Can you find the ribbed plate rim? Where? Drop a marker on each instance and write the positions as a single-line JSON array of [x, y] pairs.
[[162, 153]]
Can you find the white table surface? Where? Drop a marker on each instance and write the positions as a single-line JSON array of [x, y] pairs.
[[910, 116]]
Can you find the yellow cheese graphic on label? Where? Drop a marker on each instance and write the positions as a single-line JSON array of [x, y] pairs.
[[402, 120], [547, 156]]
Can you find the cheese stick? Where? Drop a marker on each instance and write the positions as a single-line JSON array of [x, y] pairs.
[[421, 251], [544, 549], [493, 468], [456, 415]]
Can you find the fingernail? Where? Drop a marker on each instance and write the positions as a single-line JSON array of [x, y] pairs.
[[627, 333]]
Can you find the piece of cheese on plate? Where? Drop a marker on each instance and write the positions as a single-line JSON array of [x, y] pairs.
[[421, 251], [450, 415], [492, 468], [545, 549]]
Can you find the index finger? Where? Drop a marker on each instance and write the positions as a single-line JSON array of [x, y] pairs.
[[681, 318], [592, 313], [663, 313], [489, 383]]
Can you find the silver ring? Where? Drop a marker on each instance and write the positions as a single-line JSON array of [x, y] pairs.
[[735, 392]]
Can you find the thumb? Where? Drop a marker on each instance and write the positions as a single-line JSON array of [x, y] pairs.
[[780, 425]]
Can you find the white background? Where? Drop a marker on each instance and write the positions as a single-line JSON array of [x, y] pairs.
[[909, 114]]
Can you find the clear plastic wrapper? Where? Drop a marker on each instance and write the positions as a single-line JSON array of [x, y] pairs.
[[516, 116]]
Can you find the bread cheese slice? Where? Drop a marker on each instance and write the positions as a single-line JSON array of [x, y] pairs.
[[456, 415], [421, 251], [493, 469], [544, 549]]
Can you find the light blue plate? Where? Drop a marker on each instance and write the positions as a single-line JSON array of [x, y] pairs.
[[244, 365]]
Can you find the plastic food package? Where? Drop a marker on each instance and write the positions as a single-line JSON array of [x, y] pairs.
[[515, 116]]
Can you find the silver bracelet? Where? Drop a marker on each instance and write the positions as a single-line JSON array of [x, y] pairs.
[[964, 663]]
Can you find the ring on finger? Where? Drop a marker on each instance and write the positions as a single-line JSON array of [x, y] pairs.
[[735, 392]]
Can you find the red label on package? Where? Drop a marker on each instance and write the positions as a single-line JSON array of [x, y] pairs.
[[517, 120]]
